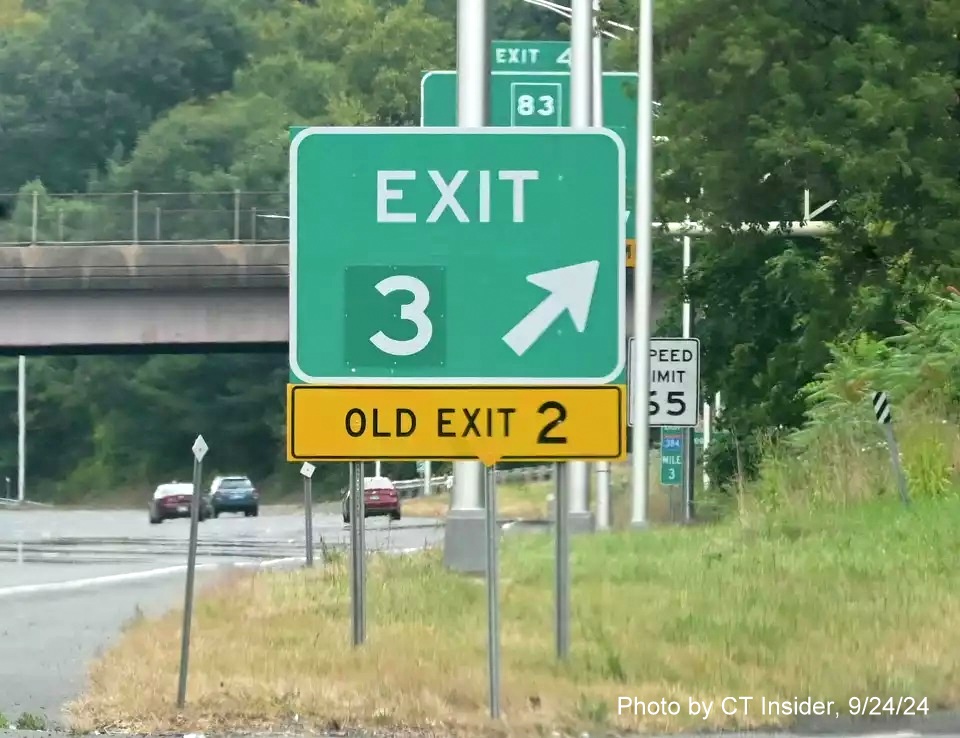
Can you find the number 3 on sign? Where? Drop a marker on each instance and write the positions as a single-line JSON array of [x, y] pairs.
[[675, 404], [415, 311]]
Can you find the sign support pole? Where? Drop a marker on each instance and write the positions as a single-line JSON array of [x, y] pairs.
[[358, 558], [581, 116], [562, 570], [643, 272], [464, 530], [427, 478], [307, 471], [602, 468], [688, 450], [199, 451], [492, 531]]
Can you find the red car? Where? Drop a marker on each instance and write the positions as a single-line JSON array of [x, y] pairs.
[[173, 500], [380, 497]]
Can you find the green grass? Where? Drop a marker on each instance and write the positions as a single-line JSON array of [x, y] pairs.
[[831, 604], [31, 721]]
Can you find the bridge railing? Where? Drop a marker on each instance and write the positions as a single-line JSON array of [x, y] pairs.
[[107, 218]]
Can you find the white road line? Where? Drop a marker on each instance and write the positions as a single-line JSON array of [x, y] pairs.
[[96, 581], [139, 576], [135, 576]]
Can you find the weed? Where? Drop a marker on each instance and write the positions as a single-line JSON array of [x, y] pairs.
[[31, 721]]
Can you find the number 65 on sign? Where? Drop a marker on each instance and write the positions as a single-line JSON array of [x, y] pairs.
[[674, 382]]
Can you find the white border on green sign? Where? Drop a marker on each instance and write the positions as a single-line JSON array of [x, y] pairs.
[[447, 131]]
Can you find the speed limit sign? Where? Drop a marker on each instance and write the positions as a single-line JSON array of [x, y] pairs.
[[674, 382]]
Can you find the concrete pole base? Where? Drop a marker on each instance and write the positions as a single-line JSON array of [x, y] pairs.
[[581, 522], [464, 541], [578, 522]]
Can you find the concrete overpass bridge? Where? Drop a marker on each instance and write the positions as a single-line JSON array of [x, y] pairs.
[[94, 299]]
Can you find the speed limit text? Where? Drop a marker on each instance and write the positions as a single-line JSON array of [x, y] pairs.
[[661, 375]]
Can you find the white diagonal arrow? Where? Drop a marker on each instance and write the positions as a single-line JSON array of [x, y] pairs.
[[571, 290]]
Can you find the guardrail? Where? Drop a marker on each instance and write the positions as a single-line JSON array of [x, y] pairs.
[[415, 487], [112, 218], [13, 502]]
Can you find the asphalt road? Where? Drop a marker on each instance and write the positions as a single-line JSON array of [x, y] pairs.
[[69, 580]]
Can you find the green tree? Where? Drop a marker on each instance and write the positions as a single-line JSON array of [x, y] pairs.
[[94, 74], [854, 101]]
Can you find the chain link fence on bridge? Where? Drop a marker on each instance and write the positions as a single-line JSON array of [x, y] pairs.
[[38, 218]]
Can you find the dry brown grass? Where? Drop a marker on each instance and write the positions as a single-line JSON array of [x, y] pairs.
[[529, 501], [864, 601], [516, 500]]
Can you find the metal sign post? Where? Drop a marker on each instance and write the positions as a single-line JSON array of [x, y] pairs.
[[493, 589], [881, 408], [358, 558], [307, 471], [199, 451], [562, 564]]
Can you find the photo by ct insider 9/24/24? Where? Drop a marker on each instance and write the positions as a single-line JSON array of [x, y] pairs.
[[863, 706]]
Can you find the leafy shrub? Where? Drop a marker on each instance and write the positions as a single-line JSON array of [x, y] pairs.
[[840, 455]]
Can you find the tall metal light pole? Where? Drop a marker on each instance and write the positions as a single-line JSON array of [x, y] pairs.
[[643, 272], [577, 474], [602, 469], [464, 540], [22, 428]]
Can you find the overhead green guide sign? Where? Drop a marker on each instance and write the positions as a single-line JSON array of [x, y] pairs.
[[418, 256], [536, 99]]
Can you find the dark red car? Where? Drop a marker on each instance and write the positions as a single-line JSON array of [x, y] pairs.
[[172, 500], [380, 497]]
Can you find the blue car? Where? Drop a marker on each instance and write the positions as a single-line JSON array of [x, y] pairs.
[[234, 494]]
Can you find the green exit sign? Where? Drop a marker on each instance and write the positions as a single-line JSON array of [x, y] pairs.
[[415, 256], [521, 98]]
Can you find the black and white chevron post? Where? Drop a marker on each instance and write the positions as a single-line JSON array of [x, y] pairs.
[[881, 408]]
